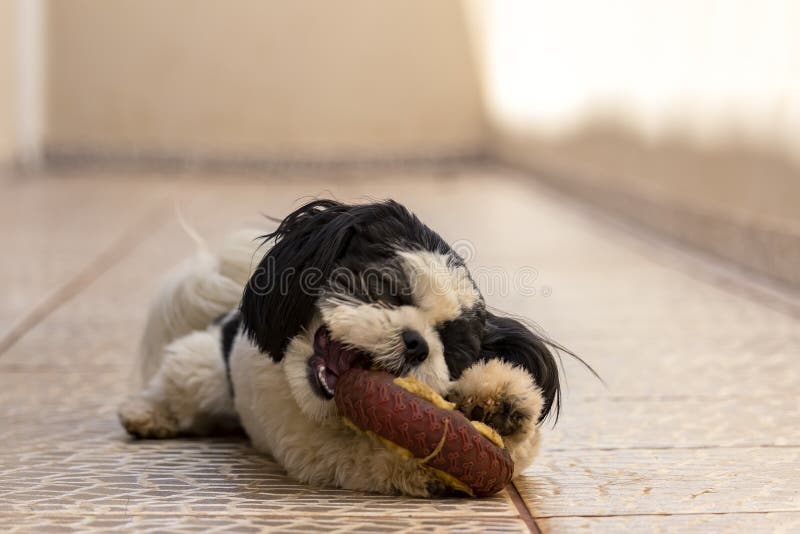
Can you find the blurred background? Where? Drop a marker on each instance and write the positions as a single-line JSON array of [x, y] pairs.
[[625, 174], [682, 116]]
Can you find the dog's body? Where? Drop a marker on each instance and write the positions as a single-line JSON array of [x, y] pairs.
[[342, 286]]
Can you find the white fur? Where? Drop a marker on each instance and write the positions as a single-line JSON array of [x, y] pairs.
[[187, 390], [194, 294], [294, 366], [439, 288]]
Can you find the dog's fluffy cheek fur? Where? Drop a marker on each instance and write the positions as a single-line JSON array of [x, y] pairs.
[[295, 366], [497, 385]]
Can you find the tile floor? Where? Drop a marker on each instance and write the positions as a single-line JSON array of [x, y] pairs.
[[696, 429]]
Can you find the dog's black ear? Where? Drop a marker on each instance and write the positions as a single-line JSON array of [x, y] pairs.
[[278, 301], [511, 341]]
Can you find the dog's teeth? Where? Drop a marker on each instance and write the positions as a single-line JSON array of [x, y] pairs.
[[322, 381]]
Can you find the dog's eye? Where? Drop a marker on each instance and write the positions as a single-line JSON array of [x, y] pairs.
[[388, 286], [394, 300], [390, 291]]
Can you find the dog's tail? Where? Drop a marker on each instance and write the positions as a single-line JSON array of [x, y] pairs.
[[200, 290]]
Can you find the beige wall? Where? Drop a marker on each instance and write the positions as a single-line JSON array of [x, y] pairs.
[[7, 80], [683, 116], [271, 78]]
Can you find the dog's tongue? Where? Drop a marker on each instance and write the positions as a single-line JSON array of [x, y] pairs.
[[337, 358]]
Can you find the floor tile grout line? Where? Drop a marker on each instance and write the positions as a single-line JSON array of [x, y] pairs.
[[101, 263], [675, 448], [676, 398], [671, 514], [525, 514], [262, 513]]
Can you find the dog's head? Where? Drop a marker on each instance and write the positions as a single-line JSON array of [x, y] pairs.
[[364, 285]]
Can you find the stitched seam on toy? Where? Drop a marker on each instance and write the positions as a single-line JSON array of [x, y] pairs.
[[439, 447]]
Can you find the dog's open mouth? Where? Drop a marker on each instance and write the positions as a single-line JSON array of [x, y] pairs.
[[331, 358]]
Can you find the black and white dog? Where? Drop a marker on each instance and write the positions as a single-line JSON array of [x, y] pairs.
[[342, 285]]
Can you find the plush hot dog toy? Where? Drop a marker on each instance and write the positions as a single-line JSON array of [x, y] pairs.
[[414, 421]]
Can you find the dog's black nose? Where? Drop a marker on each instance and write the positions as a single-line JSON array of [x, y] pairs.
[[416, 346]]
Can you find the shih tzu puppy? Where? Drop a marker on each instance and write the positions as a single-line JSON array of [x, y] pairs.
[[229, 346]]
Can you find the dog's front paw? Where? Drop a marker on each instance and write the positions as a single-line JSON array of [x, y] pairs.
[[144, 419], [500, 395], [505, 414]]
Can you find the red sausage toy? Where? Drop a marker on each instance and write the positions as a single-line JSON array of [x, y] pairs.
[[413, 420]]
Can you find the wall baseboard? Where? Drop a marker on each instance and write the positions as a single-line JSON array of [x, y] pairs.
[[65, 160], [761, 246], [768, 247]]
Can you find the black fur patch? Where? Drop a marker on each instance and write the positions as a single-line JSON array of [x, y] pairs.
[[228, 332], [461, 339], [310, 244]]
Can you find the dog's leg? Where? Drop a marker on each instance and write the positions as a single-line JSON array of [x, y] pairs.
[[346, 459], [189, 394], [391, 473], [505, 398]]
